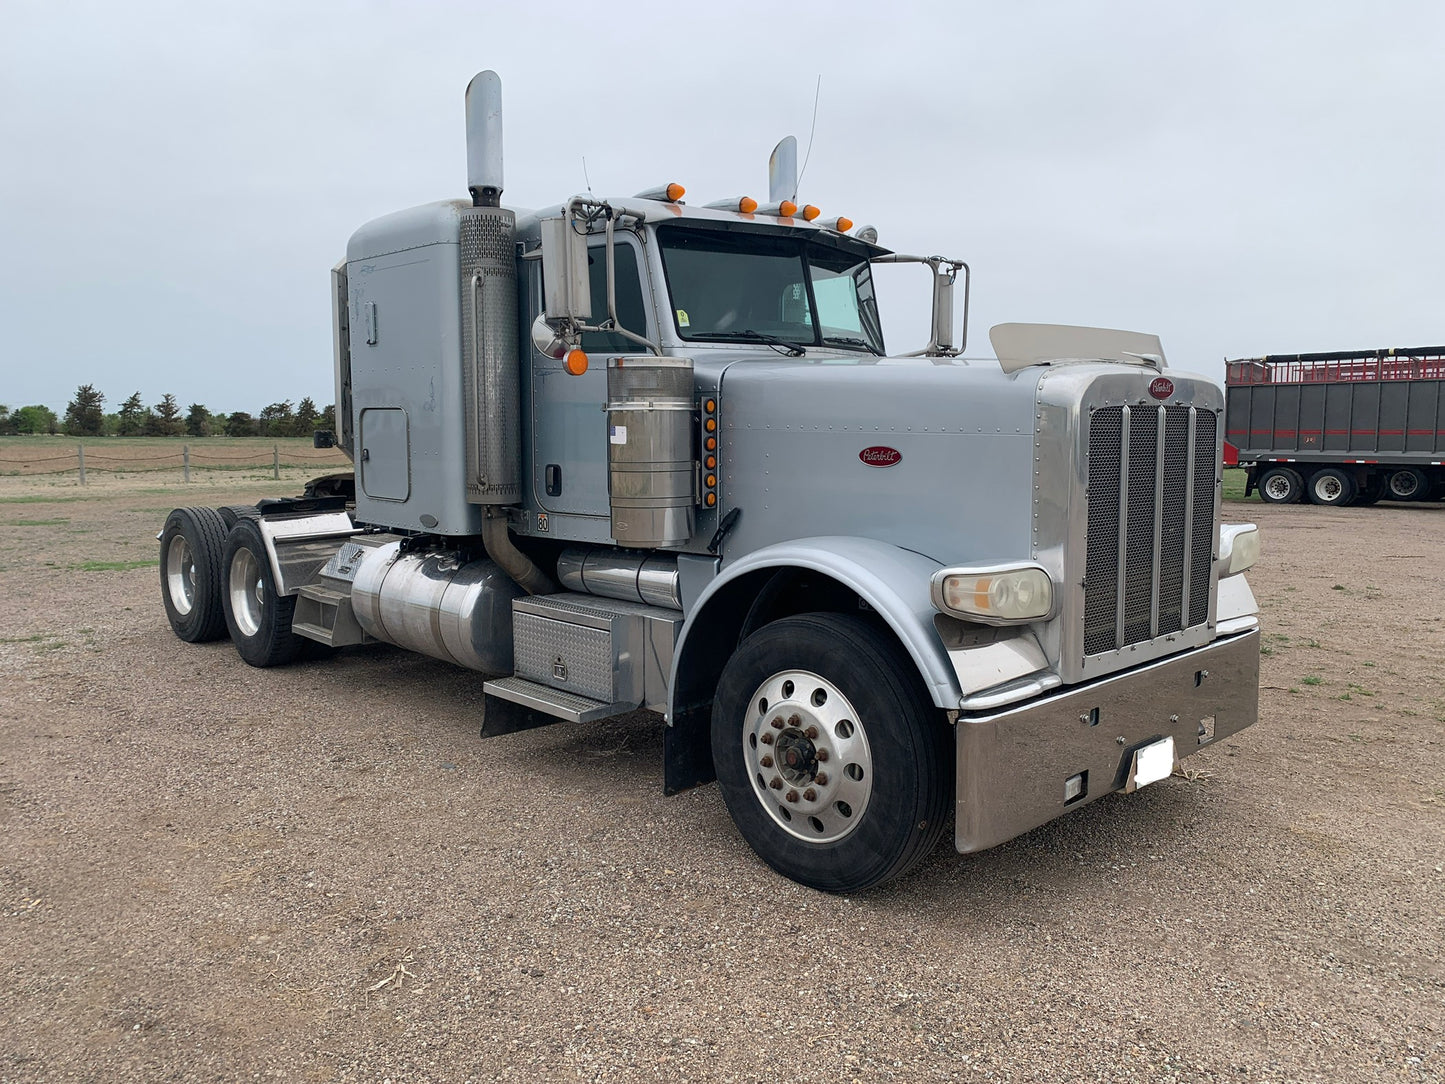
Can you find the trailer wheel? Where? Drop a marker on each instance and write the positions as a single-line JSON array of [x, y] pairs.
[[258, 619], [835, 766], [1331, 487], [1409, 484], [191, 546], [1372, 491], [1280, 485]]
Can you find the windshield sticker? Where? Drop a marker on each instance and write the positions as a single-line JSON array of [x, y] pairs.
[[617, 434], [682, 320]]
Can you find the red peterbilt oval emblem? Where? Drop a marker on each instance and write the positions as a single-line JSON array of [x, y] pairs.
[[1161, 387], [880, 455]]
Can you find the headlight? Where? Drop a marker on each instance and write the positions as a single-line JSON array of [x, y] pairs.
[[1239, 547], [996, 596]]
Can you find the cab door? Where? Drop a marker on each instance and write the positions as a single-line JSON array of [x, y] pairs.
[[569, 420]]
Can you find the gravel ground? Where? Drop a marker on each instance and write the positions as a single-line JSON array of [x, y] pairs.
[[321, 873]]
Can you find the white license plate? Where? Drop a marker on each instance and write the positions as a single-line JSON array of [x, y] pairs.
[[1152, 763]]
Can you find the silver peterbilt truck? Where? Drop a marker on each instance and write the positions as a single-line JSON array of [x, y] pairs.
[[632, 453]]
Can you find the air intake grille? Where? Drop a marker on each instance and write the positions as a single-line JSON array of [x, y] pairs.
[[1151, 523]]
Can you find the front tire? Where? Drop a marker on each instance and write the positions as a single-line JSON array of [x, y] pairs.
[[834, 764], [192, 543], [258, 619]]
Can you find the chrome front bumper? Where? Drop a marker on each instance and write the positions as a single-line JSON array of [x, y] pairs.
[[1012, 764]]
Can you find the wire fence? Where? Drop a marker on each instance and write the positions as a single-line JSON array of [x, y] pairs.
[[82, 460]]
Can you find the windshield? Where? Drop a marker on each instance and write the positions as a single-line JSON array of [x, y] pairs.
[[787, 291]]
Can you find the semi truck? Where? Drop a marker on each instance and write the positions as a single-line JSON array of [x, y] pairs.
[[1339, 428], [630, 453]]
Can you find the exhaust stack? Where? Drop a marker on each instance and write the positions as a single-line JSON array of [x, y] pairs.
[[484, 139], [782, 171]]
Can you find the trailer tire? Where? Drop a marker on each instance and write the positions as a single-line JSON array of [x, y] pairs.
[[258, 618], [1280, 485], [1372, 491], [192, 542], [864, 792], [1331, 487], [1409, 484]]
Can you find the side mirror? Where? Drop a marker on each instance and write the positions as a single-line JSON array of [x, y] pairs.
[[547, 340], [566, 283]]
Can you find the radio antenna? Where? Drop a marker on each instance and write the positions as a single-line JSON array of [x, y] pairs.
[[811, 129], [584, 175]]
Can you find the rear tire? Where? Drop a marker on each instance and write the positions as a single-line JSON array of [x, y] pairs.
[[1372, 490], [835, 766], [1331, 487], [1408, 485], [258, 619], [192, 543], [1280, 485]]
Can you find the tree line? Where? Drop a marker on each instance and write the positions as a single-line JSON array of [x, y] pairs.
[[85, 416]]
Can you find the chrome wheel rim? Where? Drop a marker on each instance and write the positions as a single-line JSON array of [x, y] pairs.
[[1278, 487], [808, 756], [248, 592], [1329, 489], [181, 575]]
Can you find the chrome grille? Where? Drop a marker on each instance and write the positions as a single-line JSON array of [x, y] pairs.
[[1151, 523]]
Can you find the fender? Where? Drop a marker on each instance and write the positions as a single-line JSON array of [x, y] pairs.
[[893, 581]]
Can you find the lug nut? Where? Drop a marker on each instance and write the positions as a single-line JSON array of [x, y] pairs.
[[777, 783], [794, 720], [822, 755], [777, 724], [792, 796], [821, 779], [810, 795], [766, 739], [811, 733], [766, 762]]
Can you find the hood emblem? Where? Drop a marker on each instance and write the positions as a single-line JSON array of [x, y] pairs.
[[1161, 387], [880, 455]]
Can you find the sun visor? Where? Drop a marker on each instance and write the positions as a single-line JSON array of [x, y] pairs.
[[1021, 345]]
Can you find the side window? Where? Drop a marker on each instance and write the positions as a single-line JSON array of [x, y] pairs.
[[837, 297], [631, 312]]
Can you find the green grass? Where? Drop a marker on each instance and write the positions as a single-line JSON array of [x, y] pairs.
[[1234, 484], [112, 566], [1312, 679]]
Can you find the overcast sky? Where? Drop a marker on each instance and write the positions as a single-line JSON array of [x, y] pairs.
[[176, 180]]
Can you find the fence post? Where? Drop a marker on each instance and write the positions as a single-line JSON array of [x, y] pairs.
[[276, 461], [186, 462], [80, 454]]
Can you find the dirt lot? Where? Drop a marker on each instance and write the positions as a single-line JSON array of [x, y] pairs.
[[321, 873]]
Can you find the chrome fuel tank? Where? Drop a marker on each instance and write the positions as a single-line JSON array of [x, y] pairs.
[[437, 605]]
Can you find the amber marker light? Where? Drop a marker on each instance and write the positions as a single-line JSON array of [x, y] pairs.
[[747, 205], [675, 192], [710, 462], [711, 443], [710, 425], [787, 209], [843, 225], [710, 405], [810, 212], [710, 499], [576, 363]]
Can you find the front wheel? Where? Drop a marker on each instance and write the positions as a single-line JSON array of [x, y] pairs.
[[258, 618], [834, 765]]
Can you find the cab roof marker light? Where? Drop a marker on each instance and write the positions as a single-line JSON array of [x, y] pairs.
[[809, 212], [782, 209], [742, 204], [667, 193], [839, 224], [867, 233]]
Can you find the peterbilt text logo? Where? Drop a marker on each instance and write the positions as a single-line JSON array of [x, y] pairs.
[[1161, 387], [880, 455]]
